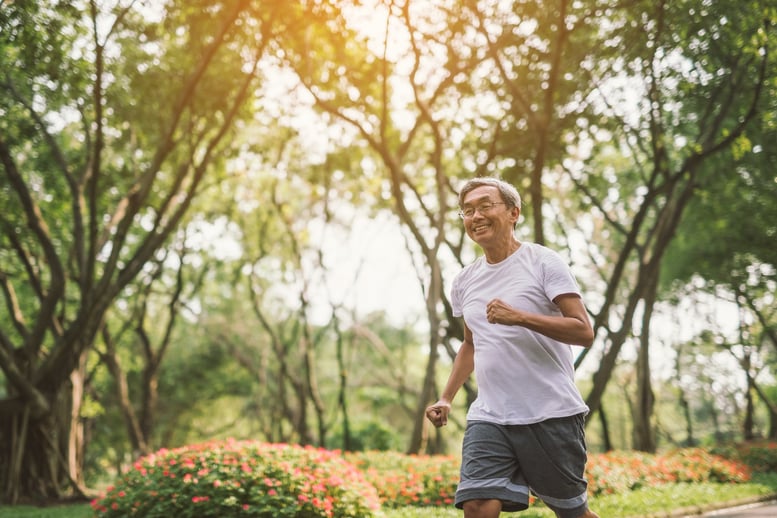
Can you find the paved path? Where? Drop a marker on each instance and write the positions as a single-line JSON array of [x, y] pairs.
[[761, 510]]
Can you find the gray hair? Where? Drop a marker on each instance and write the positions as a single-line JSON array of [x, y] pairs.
[[508, 193]]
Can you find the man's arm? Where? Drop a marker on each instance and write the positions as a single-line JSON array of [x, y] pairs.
[[572, 327], [463, 365]]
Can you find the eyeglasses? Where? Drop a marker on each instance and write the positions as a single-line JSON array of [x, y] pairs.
[[482, 208]]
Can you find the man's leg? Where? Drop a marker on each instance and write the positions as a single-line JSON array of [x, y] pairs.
[[553, 456], [490, 480], [482, 508]]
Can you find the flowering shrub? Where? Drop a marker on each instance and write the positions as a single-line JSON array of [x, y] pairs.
[[621, 471], [241, 479], [256, 479], [409, 480], [760, 456]]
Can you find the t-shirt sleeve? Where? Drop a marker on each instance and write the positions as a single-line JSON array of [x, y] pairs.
[[557, 276], [456, 297]]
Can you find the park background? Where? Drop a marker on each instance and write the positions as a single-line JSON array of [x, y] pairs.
[[238, 219]]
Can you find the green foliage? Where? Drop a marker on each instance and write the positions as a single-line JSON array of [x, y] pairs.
[[760, 456], [114, 117], [730, 222], [240, 479], [372, 435], [203, 395], [738, 210]]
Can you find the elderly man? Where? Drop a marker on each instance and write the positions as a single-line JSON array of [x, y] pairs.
[[522, 310]]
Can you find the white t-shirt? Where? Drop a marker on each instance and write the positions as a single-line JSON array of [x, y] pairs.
[[523, 377]]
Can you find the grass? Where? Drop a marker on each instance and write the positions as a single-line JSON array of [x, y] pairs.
[[643, 503], [646, 502], [58, 511]]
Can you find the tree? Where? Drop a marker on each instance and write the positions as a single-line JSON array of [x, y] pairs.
[[99, 165], [722, 52], [439, 93], [536, 49], [362, 98], [735, 205], [146, 329]]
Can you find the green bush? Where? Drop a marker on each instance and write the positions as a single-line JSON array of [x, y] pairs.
[[241, 478], [760, 456], [367, 436]]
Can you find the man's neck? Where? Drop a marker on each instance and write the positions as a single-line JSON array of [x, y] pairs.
[[499, 254]]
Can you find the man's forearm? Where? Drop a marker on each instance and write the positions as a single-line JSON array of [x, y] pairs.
[[463, 365]]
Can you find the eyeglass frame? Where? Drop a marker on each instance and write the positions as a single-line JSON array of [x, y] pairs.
[[483, 208]]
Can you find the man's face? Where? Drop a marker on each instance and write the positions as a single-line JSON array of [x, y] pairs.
[[492, 221]]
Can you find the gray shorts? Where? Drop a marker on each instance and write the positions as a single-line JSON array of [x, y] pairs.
[[505, 462]]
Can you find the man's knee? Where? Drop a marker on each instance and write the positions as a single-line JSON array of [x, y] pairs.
[[482, 508]]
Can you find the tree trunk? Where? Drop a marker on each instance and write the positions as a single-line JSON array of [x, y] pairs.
[[342, 392], [690, 440], [718, 433], [770, 407], [682, 399], [644, 434], [418, 438], [76, 443], [748, 425], [42, 457], [606, 441], [434, 295]]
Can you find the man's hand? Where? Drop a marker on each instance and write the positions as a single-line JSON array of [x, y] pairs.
[[438, 413], [499, 312]]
